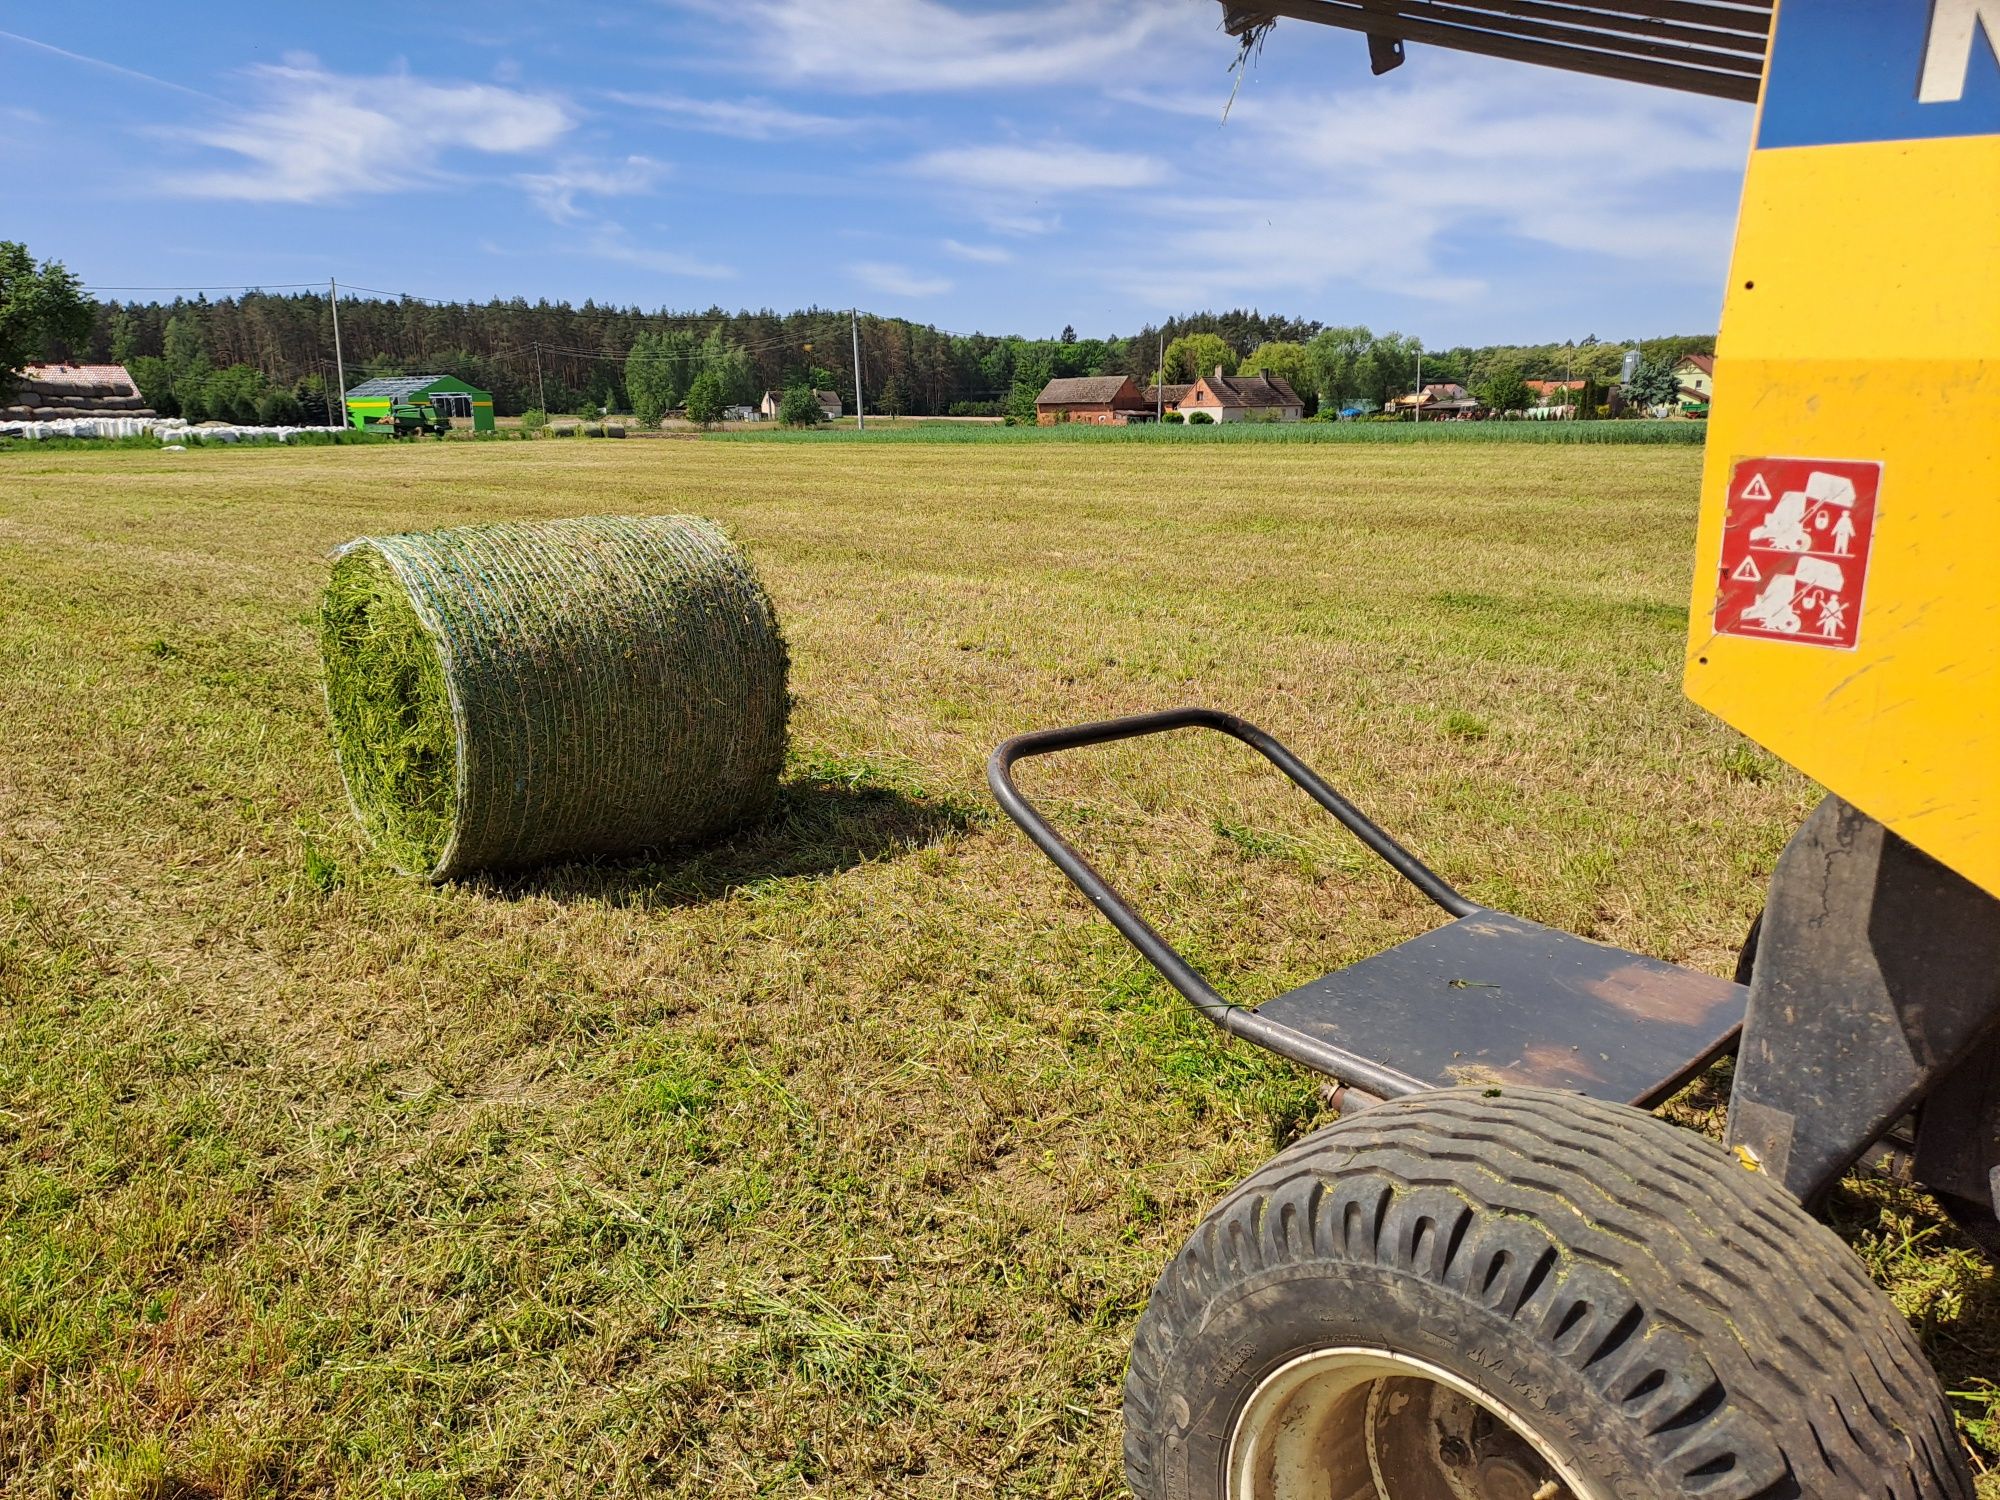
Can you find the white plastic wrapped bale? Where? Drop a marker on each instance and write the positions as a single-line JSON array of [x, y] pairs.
[[166, 429]]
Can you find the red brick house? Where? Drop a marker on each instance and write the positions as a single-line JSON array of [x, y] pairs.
[[1101, 400], [1233, 398]]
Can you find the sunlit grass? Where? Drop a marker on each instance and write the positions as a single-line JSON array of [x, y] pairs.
[[840, 1157]]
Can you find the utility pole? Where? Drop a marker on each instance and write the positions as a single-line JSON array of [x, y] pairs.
[[541, 391], [1417, 409], [339, 366], [1160, 384], [854, 325]]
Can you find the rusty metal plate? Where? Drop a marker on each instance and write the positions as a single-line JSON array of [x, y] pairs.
[[1497, 999]]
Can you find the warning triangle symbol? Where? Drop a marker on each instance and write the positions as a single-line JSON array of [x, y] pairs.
[[1756, 489], [1746, 571]]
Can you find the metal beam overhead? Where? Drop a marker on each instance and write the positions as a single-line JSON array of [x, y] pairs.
[[1713, 47]]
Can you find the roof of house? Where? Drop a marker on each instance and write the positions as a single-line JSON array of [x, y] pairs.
[[395, 386], [80, 377], [1082, 390], [1543, 387], [1251, 390], [1702, 362], [1167, 393], [828, 398], [1448, 393]]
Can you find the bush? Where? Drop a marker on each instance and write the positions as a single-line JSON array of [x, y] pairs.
[[799, 407], [280, 409], [232, 394], [534, 419], [705, 399], [1172, 416], [974, 409], [1199, 419]]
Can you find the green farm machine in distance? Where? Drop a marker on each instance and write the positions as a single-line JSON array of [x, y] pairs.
[[413, 419]]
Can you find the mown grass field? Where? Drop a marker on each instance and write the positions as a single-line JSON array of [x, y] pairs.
[[1480, 434], [839, 1159]]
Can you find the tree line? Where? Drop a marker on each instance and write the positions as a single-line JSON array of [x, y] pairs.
[[270, 356]]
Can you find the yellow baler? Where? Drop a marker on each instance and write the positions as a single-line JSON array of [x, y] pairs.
[[1500, 1276]]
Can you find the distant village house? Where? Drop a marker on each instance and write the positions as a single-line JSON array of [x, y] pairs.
[[1099, 400], [829, 405], [1555, 392], [1243, 398], [1437, 402], [1696, 375], [1114, 401], [1555, 398]]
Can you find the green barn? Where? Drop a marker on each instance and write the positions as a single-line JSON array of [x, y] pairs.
[[369, 402]]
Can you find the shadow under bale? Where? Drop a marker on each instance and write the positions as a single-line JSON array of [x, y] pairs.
[[818, 826]]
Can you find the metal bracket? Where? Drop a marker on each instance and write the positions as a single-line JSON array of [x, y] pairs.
[[1958, 1140], [1384, 53], [1877, 979]]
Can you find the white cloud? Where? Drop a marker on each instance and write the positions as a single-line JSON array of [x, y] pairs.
[[613, 242], [321, 135], [891, 46], [897, 280], [746, 119], [1019, 223], [1034, 170], [1400, 188], [555, 192], [986, 255]]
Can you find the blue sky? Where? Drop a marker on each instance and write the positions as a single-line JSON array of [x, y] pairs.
[[1007, 168]]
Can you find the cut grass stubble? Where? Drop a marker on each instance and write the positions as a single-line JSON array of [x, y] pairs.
[[839, 1157]]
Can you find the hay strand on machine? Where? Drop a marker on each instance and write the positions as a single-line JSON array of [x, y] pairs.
[[508, 694]]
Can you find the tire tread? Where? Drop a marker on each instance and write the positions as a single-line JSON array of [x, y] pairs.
[[1743, 1334]]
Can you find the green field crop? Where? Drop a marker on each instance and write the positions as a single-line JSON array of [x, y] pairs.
[[837, 1158], [919, 430]]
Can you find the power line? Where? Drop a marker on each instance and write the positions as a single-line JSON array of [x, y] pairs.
[[691, 355], [409, 296], [251, 286]]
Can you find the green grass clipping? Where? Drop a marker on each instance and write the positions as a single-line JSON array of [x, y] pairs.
[[391, 711]]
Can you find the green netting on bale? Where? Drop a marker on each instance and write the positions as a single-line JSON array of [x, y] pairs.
[[509, 694]]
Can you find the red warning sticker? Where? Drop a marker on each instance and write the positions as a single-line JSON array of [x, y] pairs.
[[1795, 549]]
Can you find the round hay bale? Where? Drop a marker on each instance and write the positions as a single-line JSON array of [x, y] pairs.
[[508, 694]]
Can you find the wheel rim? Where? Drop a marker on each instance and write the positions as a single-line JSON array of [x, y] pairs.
[[1371, 1424]]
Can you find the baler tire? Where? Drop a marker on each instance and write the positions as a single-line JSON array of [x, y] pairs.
[[1652, 1317]]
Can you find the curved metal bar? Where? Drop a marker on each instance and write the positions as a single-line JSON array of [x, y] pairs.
[[1237, 1020]]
